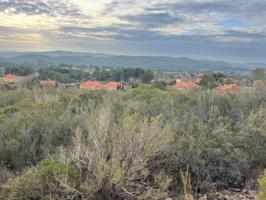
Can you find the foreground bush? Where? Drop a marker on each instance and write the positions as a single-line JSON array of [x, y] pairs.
[[78, 144], [49, 179], [262, 182], [106, 161]]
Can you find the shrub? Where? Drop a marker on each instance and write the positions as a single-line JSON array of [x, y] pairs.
[[112, 157], [26, 186], [108, 160], [127, 145], [49, 179], [262, 183]]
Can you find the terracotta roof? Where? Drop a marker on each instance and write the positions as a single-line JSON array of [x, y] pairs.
[[186, 85], [48, 82], [99, 86], [94, 85], [231, 88], [114, 85], [10, 77], [90, 84], [102, 87]]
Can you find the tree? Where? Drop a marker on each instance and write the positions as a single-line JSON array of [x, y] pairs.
[[20, 71], [160, 85], [208, 81], [147, 76], [218, 76], [258, 74]]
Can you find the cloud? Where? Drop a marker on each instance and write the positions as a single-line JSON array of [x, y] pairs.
[[38, 7], [220, 22]]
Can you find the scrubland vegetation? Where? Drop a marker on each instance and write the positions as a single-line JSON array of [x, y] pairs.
[[262, 182], [68, 143]]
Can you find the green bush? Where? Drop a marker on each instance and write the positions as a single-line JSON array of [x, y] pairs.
[[49, 179], [26, 186], [262, 183], [124, 144]]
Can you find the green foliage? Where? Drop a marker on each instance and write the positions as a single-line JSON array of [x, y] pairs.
[[42, 182], [54, 174], [208, 81], [218, 76], [123, 74], [120, 153], [216, 138], [59, 143], [107, 160], [255, 137], [26, 186], [63, 75], [262, 183], [147, 76], [160, 85], [258, 74], [20, 71], [32, 131]]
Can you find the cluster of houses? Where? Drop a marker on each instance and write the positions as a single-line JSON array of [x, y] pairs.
[[182, 83], [227, 88], [11, 78], [230, 88], [93, 85]]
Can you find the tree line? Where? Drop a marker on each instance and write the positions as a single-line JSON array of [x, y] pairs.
[[67, 74]]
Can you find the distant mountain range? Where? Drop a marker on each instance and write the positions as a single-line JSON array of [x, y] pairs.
[[152, 62]]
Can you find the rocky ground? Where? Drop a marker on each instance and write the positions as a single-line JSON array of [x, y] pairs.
[[230, 195]]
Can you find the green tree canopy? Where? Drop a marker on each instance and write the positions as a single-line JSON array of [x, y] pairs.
[[258, 74]]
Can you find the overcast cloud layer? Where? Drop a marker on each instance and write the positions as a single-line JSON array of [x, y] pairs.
[[214, 29]]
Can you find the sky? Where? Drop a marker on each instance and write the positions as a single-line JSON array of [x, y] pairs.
[[232, 30]]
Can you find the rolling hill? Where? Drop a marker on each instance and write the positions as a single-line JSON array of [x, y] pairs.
[[152, 62]]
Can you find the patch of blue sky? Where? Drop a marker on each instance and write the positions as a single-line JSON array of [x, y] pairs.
[[234, 22]]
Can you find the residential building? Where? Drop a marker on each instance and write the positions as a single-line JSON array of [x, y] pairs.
[[230, 88]]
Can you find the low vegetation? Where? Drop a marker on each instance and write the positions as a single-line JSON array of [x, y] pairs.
[[262, 182], [151, 142]]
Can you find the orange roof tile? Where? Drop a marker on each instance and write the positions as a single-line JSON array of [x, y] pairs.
[[102, 87], [10, 77], [99, 86], [231, 88], [186, 85], [114, 85], [95, 85], [48, 82], [90, 84]]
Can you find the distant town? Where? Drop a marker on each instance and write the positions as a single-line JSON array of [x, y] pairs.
[[98, 78]]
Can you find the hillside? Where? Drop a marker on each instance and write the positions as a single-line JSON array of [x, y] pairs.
[[156, 63]]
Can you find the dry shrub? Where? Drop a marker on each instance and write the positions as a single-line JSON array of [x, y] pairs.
[[187, 185], [112, 158]]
